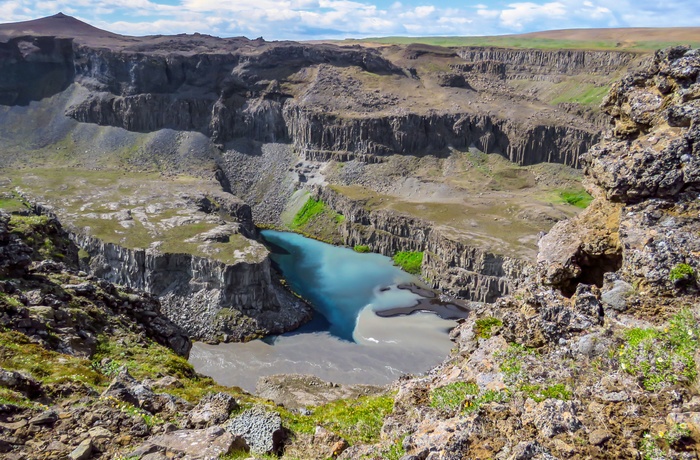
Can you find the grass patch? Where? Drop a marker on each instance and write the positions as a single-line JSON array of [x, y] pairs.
[[452, 395], [579, 198], [584, 94], [540, 393], [662, 357], [517, 42], [358, 420], [409, 261], [361, 248], [464, 395], [512, 361], [681, 272], [12, 203], [311, 209], [484, 326]]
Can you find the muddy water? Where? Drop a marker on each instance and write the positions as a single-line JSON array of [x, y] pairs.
[[347, 342]]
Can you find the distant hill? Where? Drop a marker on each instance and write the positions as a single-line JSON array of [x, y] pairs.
[[59, 25], [630, 39]]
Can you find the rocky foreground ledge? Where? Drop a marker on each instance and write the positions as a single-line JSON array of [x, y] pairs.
[[595, 357]]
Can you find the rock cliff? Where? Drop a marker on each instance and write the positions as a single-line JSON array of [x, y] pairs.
[[239, 88], [542, 64], [211, 300], [448, 265]]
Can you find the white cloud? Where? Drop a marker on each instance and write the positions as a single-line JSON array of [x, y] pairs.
[[519, 14], [305, 19]]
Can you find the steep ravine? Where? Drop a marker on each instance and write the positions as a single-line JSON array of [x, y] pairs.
[[451, 266]]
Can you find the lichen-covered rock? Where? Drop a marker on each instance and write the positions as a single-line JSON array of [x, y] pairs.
[[262, 430], [212, 409], [203, 444]]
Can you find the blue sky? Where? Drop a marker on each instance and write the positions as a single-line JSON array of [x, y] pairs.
[[315, 19]]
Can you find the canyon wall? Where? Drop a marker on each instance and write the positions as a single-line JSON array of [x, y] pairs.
[[322, 136], [449, 265], [210, 300], [542, 64], [241, 93]]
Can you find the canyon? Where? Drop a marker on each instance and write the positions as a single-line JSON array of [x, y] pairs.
[[138, 171]]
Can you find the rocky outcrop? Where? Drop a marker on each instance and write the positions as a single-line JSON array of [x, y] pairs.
[[211, 300], [322, 136], [542, 64], [49, 307], [645, 177], [449, 265], [33, 68]]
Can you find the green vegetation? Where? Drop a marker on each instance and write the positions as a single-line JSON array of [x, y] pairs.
[[12, 203], [540, 393], [358, 421], [650, 447], [512, 362], [484, 326], [681, 272], [516, 42], [662, 357], [311, 209], [583, 94], [18, 353], [465, 395], [579, 198], [409, 261], [452, 395], [26, 225], [361, 248]]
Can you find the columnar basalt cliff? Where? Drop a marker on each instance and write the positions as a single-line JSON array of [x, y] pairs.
[[211, 300], [543, 64], [449, 265], [239, 88], [321, 136]]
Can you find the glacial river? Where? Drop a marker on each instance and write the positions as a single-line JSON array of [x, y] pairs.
[[347, 342]]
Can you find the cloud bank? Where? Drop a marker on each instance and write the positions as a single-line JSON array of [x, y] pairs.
[[317, 19]]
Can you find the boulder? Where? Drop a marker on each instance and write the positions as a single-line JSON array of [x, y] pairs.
[[262, 430], [213, 409]]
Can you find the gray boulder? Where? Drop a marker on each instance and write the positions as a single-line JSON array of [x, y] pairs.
[[262, 430]]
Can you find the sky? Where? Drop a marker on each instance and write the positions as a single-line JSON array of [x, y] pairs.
[[338, 19]]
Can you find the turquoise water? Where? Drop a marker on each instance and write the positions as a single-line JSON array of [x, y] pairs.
[[347, 342], [337, 281]]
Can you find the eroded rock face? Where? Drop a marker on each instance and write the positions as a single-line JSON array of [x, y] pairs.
[[645, 177]]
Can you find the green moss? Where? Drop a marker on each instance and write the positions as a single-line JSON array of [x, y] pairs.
[[17, 353], [409, 261], [361, 248], [358, 420], [662, 357], [311, 209], [484, 326], [579, 198], [680, 272]]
